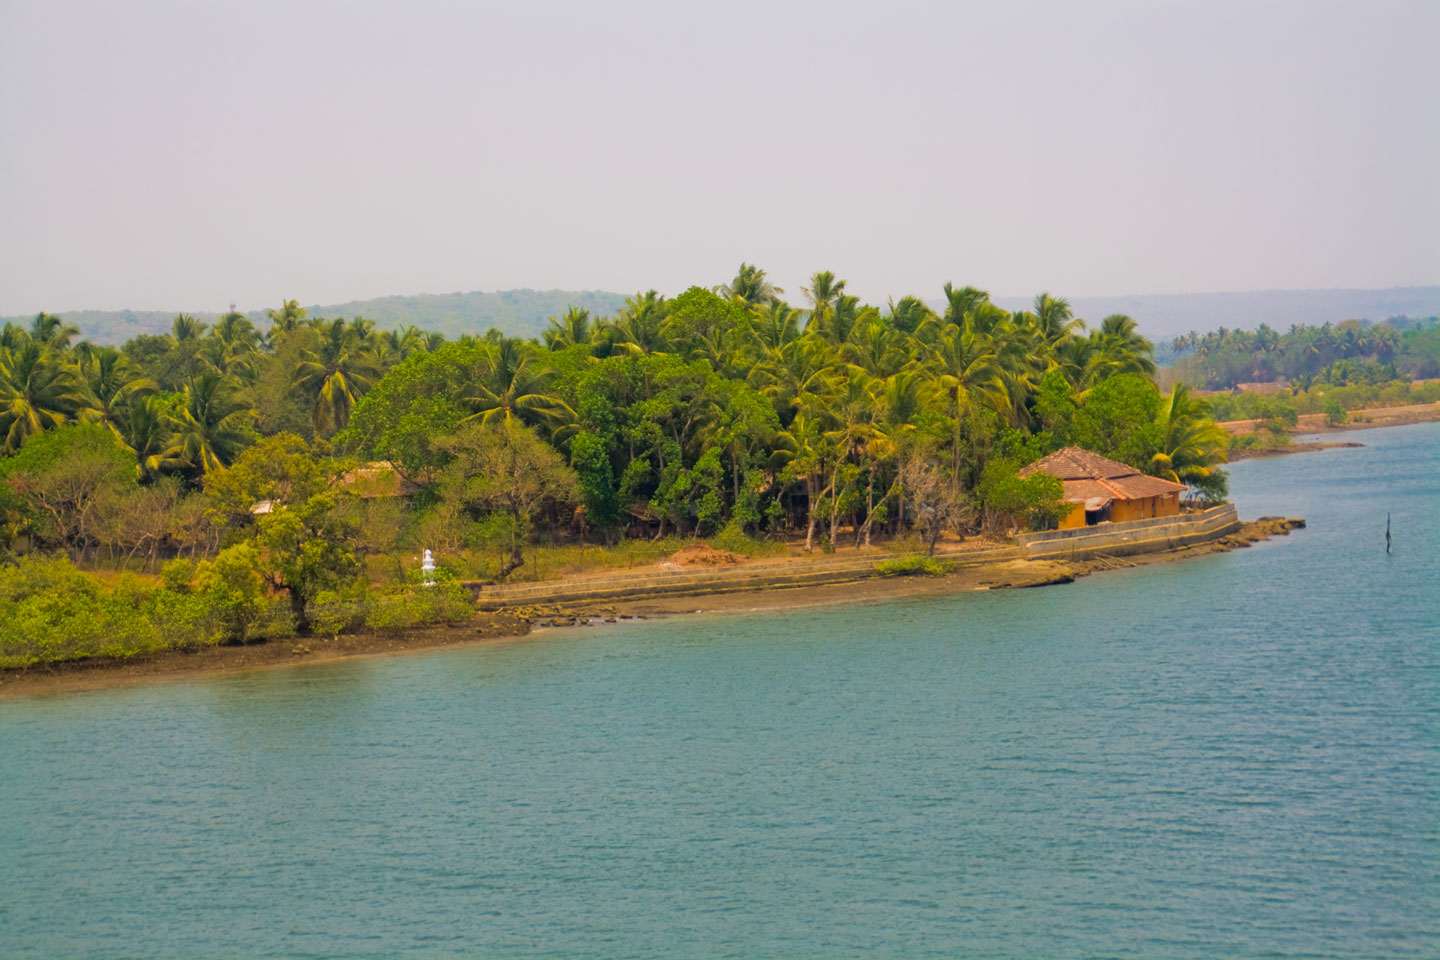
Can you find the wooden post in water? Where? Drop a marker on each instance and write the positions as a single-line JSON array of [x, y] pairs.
[[1387, 533]]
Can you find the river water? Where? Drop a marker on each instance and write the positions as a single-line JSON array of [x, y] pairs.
[[1235, 756]]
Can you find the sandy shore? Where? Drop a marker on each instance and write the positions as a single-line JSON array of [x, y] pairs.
[[1366, 419], [1298, 446], [508, 627]]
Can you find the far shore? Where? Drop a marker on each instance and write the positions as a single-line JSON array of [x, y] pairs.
[[509, 626], [1315, 424]]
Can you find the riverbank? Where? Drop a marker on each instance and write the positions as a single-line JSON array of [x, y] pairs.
[[513, 624], [1318, 423]]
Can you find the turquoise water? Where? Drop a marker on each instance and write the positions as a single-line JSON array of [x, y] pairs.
[[1231, 757]]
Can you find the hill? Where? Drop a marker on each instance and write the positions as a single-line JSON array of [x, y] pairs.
[[517, 312]]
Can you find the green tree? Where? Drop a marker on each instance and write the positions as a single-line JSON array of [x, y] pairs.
[[37, 393], [506, 468]]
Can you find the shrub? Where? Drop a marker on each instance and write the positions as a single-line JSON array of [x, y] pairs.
[[334, 612], [413, 606], [912, 565], [732, 537], [231, 591], [53, 612], [1010, 499]]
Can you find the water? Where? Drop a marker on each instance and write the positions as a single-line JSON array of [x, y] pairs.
[[1235, 756]]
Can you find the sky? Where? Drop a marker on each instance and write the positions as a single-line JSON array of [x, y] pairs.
[[190, 155]]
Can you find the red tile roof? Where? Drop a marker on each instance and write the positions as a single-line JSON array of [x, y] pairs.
[[1089, 476]]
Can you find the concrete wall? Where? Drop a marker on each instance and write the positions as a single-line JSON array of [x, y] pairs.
[[1134, 536]]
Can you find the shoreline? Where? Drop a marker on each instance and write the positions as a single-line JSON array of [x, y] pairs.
[[510, 626], [1300, 446]]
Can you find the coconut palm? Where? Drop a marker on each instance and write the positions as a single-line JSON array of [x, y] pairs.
[[638, 327], [965, 375], [1055, 318], [51, 331], [512, 385], [37, 392], [287, 318], [336, 374], [909, 314], [571, 328], [1191, 445], [750, 286], [823, 292], [775, 324], [110, 383], [961, 302], [146, 424], [211, 425]]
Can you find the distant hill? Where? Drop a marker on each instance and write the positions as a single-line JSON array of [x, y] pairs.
[[523, 312], [516, 312]]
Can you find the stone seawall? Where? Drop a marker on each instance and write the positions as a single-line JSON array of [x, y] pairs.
[[1152, 535], [756, 576]]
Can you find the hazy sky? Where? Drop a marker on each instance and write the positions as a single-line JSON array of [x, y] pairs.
[[169, 155]]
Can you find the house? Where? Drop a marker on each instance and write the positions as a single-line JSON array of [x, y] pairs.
[[1100, 489]]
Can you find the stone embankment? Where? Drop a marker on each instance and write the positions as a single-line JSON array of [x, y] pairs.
[[1036, 559]]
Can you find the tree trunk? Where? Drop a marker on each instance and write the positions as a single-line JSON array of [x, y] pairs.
[[515, 562], [298, 608], [809, 513]]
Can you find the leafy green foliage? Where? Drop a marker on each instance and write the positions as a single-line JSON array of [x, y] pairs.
[[1010, 500], [912, 565]]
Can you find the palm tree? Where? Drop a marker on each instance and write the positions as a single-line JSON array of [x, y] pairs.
[[512, 385], [336, 375], [573, 327], [110, 383], [211, 426], [750, 286], [795, 372], [909, 314], [51, 331], [1191, 444], [823, 292], [287, 318], [775, 324], [960, 302], [186, 329], [146, 424], [37, 393], [966, 375], [638, 327], [1054, 318]]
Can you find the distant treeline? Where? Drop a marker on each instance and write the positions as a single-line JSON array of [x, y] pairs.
[[1352, 352]]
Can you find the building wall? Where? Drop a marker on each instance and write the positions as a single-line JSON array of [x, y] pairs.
[[1165, 505], [1075, 518]]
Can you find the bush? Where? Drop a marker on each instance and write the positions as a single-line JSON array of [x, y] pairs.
[[912, 565], [53, 612], [732, 537], [231, 591], [1009, 499], [1335, 414], [413, 606]]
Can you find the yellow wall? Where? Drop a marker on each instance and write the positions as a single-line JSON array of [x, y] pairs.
[[1165, 505], [1075, 518]]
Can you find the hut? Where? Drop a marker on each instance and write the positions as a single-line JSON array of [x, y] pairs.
[[1100, 489]]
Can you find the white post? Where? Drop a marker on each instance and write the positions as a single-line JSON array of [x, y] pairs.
[[427, 569]]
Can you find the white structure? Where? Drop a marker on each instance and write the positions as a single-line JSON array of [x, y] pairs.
[[427, 569]]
